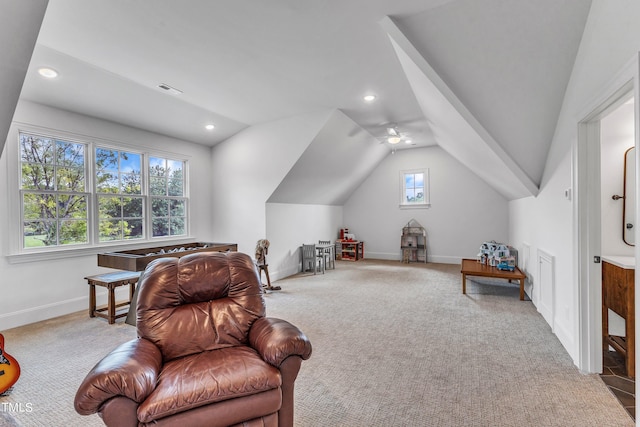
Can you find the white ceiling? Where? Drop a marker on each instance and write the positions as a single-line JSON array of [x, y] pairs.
[[245, 62]]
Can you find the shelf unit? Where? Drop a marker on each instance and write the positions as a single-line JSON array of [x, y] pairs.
[[413, 242], [350, 250]]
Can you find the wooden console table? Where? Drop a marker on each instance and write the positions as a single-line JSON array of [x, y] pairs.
[[471, 267]]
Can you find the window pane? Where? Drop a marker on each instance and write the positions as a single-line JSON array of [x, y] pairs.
[[160, 227], [70, 154], [70, 179], [132, 207], [177, 208], [133, 229], [419, 180], [131, 183], [72, 206], [159, 207], [177, 226], [157, 166], [106, 182], [409, 180], [411, 197], [106, 160], [73, 232], [35, 149], [39, 205], [37, 177], [158, 186], [39, 233], [109, 207], [130, 163], [174, 167], [110, 230], [175, 187]]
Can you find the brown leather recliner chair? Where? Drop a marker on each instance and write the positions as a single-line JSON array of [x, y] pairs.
[[205, 355]]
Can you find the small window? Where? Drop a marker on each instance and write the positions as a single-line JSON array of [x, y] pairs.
[[414, 188]]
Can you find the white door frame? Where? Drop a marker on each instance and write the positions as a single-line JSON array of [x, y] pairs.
[[586, 214]]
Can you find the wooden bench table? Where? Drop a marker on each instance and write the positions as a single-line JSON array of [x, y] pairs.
[[111, 281], [471, 267]]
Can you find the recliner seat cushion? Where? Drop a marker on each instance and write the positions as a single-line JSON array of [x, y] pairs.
[[206, 378]]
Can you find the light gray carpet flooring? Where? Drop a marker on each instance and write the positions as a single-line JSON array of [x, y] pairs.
[[393, 345]]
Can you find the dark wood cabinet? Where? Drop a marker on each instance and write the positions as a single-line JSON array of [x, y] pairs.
[[618, 296]]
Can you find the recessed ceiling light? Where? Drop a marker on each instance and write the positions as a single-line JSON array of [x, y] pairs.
[[407, 141], [209, 127], [369, 98], [49, 73]]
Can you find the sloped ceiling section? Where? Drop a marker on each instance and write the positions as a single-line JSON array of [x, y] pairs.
[[334, 164], [456, 130], [20, 23], [93, 92]]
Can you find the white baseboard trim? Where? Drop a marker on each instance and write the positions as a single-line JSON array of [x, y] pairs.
[[59, 308], [43, 312], [393, 256], [398, 257], [445, 259], [282, 274], [566, 339]]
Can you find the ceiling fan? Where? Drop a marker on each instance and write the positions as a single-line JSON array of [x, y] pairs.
[[394, 136]]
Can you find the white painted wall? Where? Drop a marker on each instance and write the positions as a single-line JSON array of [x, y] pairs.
[[611, 38], [33, 291], [247, 168], [542, 223], [616, 136], [464, 211], [291, 225]]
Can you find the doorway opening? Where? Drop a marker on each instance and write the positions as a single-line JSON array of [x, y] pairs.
[[588, 223], [618, 190]]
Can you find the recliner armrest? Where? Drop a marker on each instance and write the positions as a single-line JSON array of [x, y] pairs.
[[130, 370], [277, 339]]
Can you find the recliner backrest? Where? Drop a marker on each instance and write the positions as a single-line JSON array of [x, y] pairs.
[[199, 302]]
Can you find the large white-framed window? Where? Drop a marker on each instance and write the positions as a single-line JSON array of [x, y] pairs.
[[414, 188], [76, 192]]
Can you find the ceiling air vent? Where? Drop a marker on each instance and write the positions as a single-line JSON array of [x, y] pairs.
[[171, 90]]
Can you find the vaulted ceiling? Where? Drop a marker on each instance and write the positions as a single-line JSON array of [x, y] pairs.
[[483, 79]]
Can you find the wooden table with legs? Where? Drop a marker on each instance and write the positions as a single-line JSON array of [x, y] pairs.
[[471, 267], [111, 281]]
